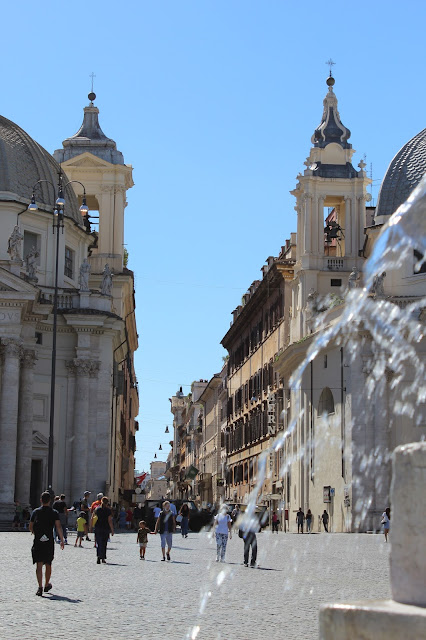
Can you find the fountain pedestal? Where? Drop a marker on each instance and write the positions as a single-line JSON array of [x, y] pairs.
[[404, 617]]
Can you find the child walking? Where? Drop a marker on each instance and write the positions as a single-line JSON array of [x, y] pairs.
[[81, 528], [142, 538]]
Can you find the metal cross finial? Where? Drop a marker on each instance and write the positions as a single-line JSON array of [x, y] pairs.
[[331, 64], [92, 75]]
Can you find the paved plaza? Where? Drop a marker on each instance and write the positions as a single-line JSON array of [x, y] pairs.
[[192, 596]]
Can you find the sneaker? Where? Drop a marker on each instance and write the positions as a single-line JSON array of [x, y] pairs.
[[168, 556], [253, 565], [98, 561], [88, 539], [163, 559], [246, 564], [103, 561], [48, 587], [39, 591]]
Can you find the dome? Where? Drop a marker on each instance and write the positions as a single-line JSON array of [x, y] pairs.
[[403, 175], [22, 163]]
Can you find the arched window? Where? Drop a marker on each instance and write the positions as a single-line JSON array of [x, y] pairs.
[[326, 402]]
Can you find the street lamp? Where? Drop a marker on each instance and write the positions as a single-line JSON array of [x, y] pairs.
[[58, 223]]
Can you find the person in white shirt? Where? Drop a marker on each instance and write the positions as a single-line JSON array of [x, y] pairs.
[[223, 524]]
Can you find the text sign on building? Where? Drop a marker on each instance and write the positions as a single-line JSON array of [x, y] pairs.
[[326, 494], [9, 317], [271, 414]]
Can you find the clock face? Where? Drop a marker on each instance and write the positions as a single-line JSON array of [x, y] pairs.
[[138, 490]]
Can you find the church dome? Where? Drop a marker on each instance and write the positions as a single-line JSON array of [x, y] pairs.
[[22, 163], [403, 175]]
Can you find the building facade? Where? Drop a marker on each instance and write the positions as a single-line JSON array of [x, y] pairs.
[[95, 382], [343, 412], [259, 332]]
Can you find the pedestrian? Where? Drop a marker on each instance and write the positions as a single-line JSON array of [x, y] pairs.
[[325, 518], [17, 518], [173, 509], [235, 514], [137, 515], [250, 540], [129, 518], [103, 528], [223, 526], [81, 528], [309, 517], [61, 507], [275, 522], [142, 538], [43, 520], [122, 518], [184, 513], [300, 516], [157, 510], [84, 504], [386, 523], [166, 526]]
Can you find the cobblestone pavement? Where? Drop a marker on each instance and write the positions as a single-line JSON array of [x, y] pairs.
[[192, 596]]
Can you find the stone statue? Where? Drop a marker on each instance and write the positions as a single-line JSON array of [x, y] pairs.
[[312, 303], [14, 244], [84, 275], [354, 279], [106, 285], [31, 260], [377, 288]]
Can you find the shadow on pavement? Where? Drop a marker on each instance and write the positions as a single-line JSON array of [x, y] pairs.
[[64, 598]]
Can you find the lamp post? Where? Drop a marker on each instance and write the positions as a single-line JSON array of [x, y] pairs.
[[58, 223]]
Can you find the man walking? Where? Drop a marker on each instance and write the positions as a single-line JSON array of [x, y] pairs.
[[43, 520], [300, 516], [85, 507], [61, 507], [325, 518]]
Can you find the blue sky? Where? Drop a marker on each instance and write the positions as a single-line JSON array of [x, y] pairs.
[[214, 104]]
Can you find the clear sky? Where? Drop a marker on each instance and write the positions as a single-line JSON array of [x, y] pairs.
[[214, 104]]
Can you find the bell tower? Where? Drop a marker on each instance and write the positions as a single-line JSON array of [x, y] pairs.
[[330, 205], [92, 158]]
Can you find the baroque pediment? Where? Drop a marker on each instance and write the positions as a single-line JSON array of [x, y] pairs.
[[86, 159], [9, 282], [39, 440]]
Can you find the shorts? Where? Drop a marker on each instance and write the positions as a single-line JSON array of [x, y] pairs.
[[166, 538], [80, 534], [43, 552], [143, 545]]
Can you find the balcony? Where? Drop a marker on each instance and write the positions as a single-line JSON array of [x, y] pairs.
[[335, 264]]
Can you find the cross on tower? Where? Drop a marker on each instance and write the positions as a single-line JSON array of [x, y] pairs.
[[331, 64], [92, 75]]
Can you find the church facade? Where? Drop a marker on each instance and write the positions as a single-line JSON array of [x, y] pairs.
[[95, 387], [354, 401]]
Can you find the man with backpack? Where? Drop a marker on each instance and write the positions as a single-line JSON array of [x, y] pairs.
[[43, 520]]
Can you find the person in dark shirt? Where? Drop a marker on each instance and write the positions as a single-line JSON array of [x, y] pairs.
[[43, 520], [61, 507], [103, 528]]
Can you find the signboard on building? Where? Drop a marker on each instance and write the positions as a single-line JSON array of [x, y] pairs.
[[326, 494], [191, 472]]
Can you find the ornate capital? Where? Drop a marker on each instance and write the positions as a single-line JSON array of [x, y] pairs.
[[82, 367], [11, 347], [28, 358]]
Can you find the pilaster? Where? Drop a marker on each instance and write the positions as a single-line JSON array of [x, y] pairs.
[[25, 428], [8, 424]]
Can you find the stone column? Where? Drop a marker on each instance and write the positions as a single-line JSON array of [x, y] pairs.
[[349, 237], [408, 523], [8, 425], [307, 231], [25, 428], [82, 369]]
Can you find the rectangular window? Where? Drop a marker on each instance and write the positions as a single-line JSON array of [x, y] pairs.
[[336, 282], [69, 263]]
